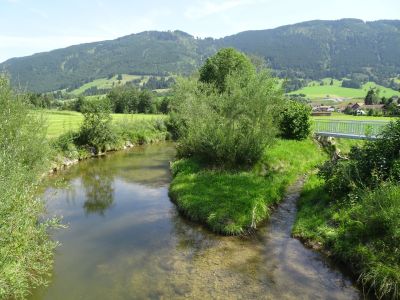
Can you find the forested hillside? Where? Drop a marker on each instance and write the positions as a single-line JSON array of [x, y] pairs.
[[314, 50]]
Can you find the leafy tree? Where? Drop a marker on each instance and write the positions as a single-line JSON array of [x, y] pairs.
[[96, 130], [372, 97], [351, 83], [226, 127], [145, 102], [164, 106], [227, 61], [119, 77], [79, 103]]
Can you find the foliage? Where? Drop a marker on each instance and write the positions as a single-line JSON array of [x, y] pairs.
[[142, 132], [372, 97], [224, 63], [228, 128], [350, 83], [233, 202], [361, 232], [368, 165], [26, 252], [295, 120], [129, 99], [96, 130]]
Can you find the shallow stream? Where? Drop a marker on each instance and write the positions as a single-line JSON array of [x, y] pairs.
[[125, 240]]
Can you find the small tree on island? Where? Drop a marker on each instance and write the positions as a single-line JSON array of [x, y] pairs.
[[226, 117]]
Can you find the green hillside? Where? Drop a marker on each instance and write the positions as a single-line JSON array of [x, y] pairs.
[[315, 91], [315, 49]]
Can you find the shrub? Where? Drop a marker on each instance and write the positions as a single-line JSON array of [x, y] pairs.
[[228, 128], [96, 130], [295, 120], [25, 250], [368, 166]]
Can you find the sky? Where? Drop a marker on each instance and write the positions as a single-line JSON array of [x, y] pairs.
[[31, 26]]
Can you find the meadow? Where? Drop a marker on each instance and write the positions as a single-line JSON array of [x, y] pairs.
[[108, 83], [59, 122], [315, 91]]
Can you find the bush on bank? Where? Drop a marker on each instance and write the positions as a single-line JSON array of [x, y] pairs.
[[226, 118], [234, 202], [26, 252], [353, 211]]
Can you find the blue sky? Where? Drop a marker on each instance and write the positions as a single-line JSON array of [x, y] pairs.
[[30, 26]]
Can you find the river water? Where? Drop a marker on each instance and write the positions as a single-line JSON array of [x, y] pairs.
[[125, 240]]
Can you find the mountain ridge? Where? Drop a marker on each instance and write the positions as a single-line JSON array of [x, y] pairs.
[[311, 49]]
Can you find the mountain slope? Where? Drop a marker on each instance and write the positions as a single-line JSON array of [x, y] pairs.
[[313, 49]]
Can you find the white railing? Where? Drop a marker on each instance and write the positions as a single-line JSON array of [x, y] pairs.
[[348, 128]]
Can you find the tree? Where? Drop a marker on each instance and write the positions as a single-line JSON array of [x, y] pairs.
[[230, 122], [372, 97], [79, 103], [145, 102], [96, 130], [164, 106], [331, 83], [227, 61], [119, 77]]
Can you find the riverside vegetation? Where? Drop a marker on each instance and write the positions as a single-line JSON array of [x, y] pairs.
[[351, 209], [26, 153], [233, 166]]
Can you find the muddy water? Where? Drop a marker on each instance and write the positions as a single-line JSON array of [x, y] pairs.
[[125, 240]]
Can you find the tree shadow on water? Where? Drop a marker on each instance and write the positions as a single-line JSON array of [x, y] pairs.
[[99, 190]]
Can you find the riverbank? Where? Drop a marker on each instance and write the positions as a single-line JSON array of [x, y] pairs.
[[128, 135], [234, 202]]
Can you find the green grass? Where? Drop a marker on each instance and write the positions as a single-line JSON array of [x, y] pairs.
[[315, 92], [104, 83], [60, 122], [345, 145], [362, 232], [233, 202]]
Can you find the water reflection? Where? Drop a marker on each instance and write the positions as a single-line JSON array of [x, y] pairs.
[[141, 248], [99, 190]]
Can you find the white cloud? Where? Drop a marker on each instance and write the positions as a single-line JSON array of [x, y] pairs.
[[206, 8]]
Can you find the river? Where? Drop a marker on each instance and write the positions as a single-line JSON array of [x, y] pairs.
[[126, 240]]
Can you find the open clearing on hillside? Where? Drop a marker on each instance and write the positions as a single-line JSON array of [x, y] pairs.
[[60, 122], [108, 83], [315, 91]]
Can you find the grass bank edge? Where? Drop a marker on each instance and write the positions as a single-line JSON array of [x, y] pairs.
[[334, 227], [233, 202]]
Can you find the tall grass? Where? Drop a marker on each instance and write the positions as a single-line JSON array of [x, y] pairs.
[[362, 231], [25, 249]]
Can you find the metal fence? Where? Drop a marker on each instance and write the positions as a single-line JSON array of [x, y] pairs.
[[348, 128]]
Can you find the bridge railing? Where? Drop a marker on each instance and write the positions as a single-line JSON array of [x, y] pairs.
[[349, 128]]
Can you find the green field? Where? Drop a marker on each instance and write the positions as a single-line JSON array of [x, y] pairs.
[[60, 122], [104, 83], [315, 91]]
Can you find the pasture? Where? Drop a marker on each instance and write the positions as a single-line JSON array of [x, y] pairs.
[[315, 91], [59, 122]]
